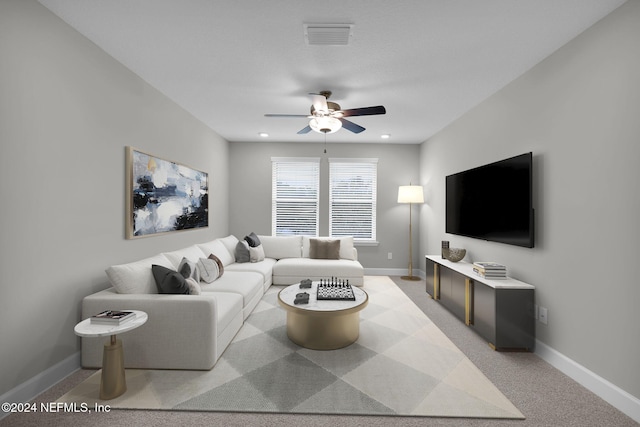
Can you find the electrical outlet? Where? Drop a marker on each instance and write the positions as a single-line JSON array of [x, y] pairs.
[[389, 255], [544, 315]]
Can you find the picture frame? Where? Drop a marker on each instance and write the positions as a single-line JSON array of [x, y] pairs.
[[163, 196]]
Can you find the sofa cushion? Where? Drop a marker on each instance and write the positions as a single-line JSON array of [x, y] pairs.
[[220, 264], [242, 252], [264, 267], [256, 254], [192, 253], [189, 269], [208, 269], [217, 248], [347, 250], [279, 247], [169, 281], [136, 277], [194, 287], [316, 268], [228, 305], [324, 249], [230, 243], [252, 240], [247, 284]]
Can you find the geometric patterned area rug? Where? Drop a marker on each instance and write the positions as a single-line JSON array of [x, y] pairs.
[[401, 364]]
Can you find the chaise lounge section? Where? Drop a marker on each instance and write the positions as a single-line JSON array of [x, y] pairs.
[[192, 331]]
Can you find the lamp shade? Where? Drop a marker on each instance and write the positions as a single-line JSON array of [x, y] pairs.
[[410, 194]]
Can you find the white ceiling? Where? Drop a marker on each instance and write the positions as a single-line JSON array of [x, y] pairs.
[[427, 61]]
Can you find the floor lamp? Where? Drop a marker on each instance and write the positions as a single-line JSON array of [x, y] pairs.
[[410, 194]]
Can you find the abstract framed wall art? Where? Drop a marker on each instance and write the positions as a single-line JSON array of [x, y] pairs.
[[163, 196]]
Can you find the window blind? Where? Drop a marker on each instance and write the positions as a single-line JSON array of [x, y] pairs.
[[353, 198], [295, 196]]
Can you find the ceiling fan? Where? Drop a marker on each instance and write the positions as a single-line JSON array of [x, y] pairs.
[[327, 117]]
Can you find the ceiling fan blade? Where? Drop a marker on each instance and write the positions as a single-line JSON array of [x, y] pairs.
[[366, 111], [320, 103], [351, 126], [304, 130], [286, 115]]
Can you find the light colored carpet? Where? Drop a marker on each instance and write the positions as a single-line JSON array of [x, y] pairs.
[[402, 364]]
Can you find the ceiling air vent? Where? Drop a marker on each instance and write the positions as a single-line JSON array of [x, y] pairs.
[[328, 34]]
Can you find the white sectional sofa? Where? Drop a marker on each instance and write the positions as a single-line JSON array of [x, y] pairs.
[[192, 331]]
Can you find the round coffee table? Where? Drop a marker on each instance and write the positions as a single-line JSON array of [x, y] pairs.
[[322, 324], [112, 381]]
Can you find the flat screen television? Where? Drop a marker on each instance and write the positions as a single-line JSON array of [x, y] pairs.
[[493, 202]]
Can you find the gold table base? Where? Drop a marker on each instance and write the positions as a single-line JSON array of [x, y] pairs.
[[112, 381], [319, 331]]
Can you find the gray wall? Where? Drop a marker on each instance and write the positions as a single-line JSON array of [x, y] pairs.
[[578, 112], [250, 189], [67, 110]]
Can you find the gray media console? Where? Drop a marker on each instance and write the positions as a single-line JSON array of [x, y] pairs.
[[501, 311]]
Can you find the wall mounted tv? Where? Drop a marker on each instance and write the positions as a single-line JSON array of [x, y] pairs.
[[493, 202]]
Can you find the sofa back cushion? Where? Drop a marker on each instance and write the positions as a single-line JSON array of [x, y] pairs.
[[192, 253], [136, 277], [230, 243], [217, 248], [279, 247]]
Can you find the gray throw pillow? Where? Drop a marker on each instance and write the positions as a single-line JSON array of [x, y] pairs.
[[189, 269], [169, 281], [253, 240], [242, 252], [324, 249]]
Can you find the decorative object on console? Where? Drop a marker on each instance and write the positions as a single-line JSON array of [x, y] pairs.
[[490, 270], [445, 247], [305, 284], [454, 254], [410, 194], [163, 196]]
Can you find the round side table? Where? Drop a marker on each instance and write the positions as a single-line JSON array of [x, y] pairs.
[[112, 381]]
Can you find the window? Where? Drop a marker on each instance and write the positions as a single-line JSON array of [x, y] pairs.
[[295, 196], [352, 198]]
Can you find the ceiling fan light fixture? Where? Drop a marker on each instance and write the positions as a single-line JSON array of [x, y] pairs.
[[325, 124]]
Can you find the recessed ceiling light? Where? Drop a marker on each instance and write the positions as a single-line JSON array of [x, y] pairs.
[[385, 136], [263, 135]]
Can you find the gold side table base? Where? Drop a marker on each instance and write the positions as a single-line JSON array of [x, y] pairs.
[[322, 332], [410, 278], [112, 382]]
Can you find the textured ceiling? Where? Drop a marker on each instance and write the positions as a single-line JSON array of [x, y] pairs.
[[427, 61]]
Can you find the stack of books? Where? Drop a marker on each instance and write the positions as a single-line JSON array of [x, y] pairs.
[[112, 317], [490, 270]]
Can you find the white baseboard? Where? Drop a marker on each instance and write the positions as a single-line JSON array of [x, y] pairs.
[[391, 272], [42, 382], [610, 393]]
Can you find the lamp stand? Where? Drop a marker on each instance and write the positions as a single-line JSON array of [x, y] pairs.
[[410, 276]]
